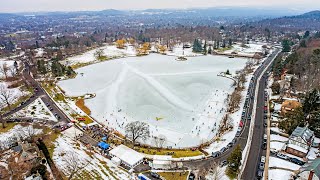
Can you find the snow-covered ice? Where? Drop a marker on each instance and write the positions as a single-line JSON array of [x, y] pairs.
[[184, 101]]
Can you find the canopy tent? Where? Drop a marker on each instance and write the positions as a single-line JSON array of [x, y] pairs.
[[104, 138], [103, 145], [128, 156]]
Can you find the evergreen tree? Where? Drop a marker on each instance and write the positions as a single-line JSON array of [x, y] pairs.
[[234, 162], [230, 42], [286, 46], [303, 43], [205, 51], [210, 50], [306, 34]]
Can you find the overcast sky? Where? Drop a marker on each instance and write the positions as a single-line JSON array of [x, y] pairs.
[[77, 5]]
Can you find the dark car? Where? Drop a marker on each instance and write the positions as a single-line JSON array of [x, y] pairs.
[[296, 161], [259, 174], [215, 154], [261, 166], [264, 146], [230, 144], [224, 149], [191, 176], [223, 163], [155, 175]]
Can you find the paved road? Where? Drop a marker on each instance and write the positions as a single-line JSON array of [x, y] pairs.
[[39, 92], [256, 150], [242, 140]]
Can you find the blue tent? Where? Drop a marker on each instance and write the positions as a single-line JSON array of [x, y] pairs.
[[104, 138], [103, 145]]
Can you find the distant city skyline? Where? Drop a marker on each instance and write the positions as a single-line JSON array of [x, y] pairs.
[[92, 5]]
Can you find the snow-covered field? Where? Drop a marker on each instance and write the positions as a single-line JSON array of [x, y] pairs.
[[277, 162], [36, 109], [109, 51], [179, 51], [250, 50], [98, 167], [275, 174], [183, 101]]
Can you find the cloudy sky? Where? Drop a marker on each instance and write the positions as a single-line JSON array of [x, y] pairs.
[[76, 5]]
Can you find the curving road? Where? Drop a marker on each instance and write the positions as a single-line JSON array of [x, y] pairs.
[[258, 129]]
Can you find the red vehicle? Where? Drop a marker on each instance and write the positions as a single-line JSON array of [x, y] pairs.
[[81, 119]]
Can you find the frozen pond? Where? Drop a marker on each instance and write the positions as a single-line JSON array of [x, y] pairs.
[[182, 100]]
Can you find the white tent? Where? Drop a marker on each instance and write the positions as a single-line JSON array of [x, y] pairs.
[[116, 161], [128, 156], [162, 162]]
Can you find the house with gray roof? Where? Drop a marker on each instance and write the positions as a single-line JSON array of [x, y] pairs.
[[300, 141]]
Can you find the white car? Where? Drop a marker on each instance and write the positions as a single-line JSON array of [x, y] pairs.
[[263, 159]]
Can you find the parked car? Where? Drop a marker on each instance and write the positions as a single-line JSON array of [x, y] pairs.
[[191, 176], [223, 163], [215, 154], [264, 146], [238, 133], [282, 156], [261, 166], [296, 161], [155, 175], [234, 141], [259, 174], [263, 159], [230, 144], [224, 149]]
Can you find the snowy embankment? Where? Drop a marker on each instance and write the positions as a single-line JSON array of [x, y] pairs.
[[184, 101], [109, 51], [248, 49], [178, 50], [69, 152], [18, 133], [36, 109]]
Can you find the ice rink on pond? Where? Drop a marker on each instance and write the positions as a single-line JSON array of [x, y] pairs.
[[181, 100]]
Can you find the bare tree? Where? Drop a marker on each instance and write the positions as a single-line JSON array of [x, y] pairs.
[[98, 54], [215, 171], [159, 141], [6, 95], [74, 164], [12, 71], [137, 130], [4, 70]]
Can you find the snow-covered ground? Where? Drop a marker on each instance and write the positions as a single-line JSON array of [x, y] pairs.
[[250, 50], [277, 162], [17, 132], [276, 174], [184, 101], [108, 50], [36, 109], [14, 94], [67, 151], [179, 51], [9, 64]]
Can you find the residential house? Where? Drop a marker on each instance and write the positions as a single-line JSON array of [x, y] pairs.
[[300, 141], [289, 106], [310, 170]]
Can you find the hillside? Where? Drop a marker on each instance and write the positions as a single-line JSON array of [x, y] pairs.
[[299, 22]]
